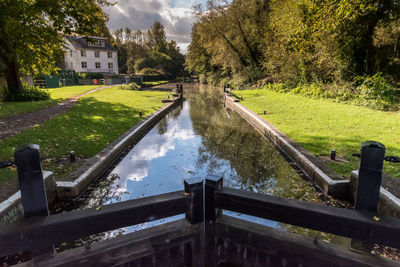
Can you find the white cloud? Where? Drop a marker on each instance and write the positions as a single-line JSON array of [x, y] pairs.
[[150, 148], [176, 16]]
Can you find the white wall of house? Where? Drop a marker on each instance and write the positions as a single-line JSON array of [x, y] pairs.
[[105, 63]]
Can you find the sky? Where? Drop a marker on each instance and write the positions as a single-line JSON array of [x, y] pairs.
[[176, 16]]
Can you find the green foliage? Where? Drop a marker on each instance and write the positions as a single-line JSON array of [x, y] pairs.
[[319, 43], [30, 33], [150, 71], [144, 52], [376, 91], [91, 75], [130, 86], [27, 93]]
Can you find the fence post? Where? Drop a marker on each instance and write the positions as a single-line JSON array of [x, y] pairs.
[[195, 215], [30, 177], [212, 184], [369, 183], [194, 187]]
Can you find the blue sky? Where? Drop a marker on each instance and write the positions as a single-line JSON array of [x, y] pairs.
[[176, 16]]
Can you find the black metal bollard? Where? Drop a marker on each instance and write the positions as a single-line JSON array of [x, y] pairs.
[[194, 187], [30, 177], [369, 176], [333, 154], [212, 185], [72, 156], [369, 184]]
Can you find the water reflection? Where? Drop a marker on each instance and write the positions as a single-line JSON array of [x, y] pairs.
[[198, 138]]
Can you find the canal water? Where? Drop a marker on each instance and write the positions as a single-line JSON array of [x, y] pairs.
[[197, 138]]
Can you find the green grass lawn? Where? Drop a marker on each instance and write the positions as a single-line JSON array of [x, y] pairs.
[[96, 120], [321, 125], [70, 91], [57, 95]]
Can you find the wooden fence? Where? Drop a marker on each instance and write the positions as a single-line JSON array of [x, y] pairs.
[[206, 237]]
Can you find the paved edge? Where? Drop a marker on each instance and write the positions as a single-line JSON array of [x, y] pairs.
[[327, 180], [11, 208], [97, 164], [388, 204]]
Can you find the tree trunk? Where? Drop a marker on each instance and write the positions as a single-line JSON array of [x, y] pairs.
[[12, 76]]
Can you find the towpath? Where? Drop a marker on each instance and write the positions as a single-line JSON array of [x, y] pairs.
[[12, 125]]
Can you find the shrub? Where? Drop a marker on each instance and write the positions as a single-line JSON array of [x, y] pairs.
[[150, 71], [90, 75], [27, 93], [377, 91], [130, 86]]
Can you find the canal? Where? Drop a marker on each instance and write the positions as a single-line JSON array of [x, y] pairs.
[[198, 138]]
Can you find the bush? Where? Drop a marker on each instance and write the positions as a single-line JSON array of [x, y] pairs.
[[130, 86], [150, 71], [374, 92], [90, 75], [27, 93], [377, 91]]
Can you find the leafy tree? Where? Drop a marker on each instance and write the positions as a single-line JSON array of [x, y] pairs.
[[156, 38], [148, 52], [31, 33], [232, 34]]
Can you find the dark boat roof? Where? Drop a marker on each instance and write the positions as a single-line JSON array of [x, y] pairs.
[[80, 42]]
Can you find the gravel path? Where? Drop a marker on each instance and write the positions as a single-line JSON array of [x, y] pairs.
[[17, 123]]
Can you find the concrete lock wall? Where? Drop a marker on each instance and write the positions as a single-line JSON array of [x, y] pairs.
[[89, 171], [11, 209], [329, 181]]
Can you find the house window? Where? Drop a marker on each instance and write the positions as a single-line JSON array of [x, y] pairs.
[[109, 54], [96, 43], [83, 53], [98, 66], [110, 65], [84, 64], [96, 53]]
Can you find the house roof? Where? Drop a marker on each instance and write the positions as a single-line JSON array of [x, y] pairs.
[[80, 42]]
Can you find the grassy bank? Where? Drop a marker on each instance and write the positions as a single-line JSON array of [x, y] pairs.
[[155, 83], [56, 94], [96, 120], [321, 125]]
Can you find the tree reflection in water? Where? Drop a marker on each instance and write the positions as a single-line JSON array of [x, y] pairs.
[[197, 138]]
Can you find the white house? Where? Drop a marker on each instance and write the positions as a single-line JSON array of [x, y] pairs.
[[90, 54]]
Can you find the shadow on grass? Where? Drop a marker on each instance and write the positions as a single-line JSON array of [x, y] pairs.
[[87, 128], [322, 145]]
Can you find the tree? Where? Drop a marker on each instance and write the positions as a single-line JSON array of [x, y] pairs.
[[31, 33], [156, 37]]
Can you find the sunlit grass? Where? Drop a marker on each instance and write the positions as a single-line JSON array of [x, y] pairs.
[[321, 125], [92, 124], [70, 91], [57, 95], [148, 84]]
